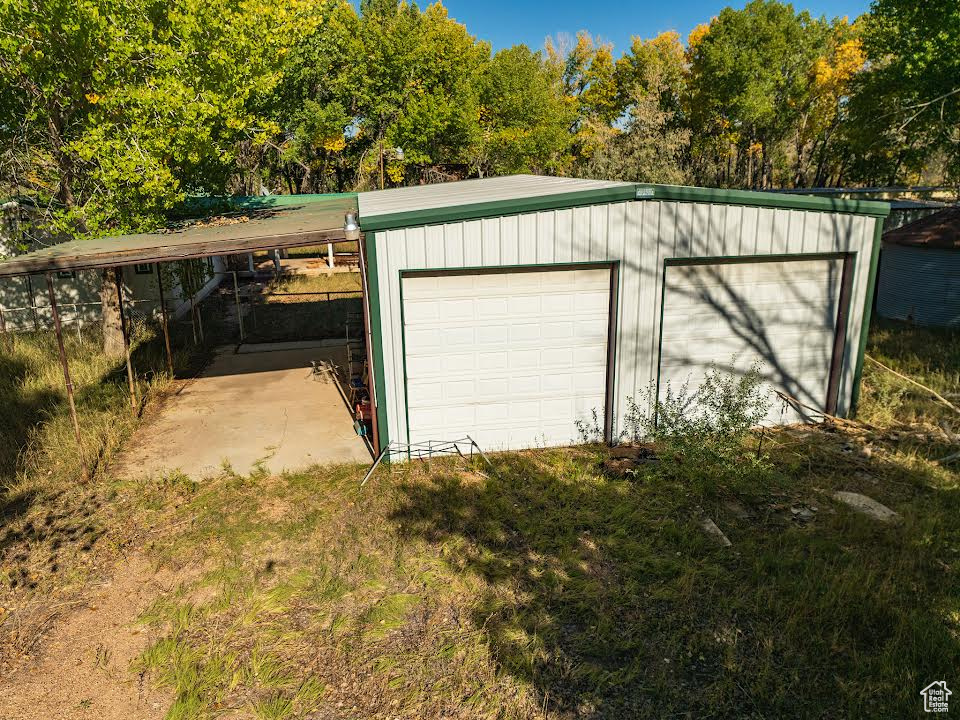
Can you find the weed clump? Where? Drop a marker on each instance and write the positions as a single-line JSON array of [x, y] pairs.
[[705, 431]]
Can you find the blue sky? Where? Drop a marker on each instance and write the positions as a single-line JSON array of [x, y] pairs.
[[508, 22]]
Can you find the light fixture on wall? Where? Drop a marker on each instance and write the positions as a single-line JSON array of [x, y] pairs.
[[351, 229]]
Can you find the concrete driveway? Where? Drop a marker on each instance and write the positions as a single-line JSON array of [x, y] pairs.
[[258, 405]]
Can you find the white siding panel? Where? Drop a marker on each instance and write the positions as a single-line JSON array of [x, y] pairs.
[[546, 237], [749, 227], [780, 233], [509, 240], [453, 245], [472, 244]]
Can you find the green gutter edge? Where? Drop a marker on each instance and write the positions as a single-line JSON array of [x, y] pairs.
[[867, 312], [683, 193], [621, 193], [376, 335]]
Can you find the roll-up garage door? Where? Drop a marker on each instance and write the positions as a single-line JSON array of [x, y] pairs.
[[780, 314], [512, 359]]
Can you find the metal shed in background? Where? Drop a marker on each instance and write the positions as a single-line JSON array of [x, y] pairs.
[[919, 277], [509, 308]]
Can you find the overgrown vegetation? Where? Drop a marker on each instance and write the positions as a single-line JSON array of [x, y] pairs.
[[55, 528]]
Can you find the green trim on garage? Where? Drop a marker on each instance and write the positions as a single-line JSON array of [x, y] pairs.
[[376, 336], [621, 193], [865, 320], [716, 196]]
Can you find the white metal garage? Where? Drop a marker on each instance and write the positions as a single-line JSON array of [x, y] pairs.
[[507, 357], [780, 315], [509, 308]]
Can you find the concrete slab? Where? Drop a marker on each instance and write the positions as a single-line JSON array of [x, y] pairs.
[[245, 408]]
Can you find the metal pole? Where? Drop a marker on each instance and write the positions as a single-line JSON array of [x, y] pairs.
[[66, 372], [330, 255], [187, 283], [236, 296], [126, 340], [164, 322], [7, 337], [33, 302], [374, 466]]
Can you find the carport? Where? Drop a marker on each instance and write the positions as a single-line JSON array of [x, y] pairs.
[[269, 223]]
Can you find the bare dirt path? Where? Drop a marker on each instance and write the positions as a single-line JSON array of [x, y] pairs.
[[83, 672]]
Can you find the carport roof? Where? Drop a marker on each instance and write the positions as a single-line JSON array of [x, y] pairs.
[[253, 224]]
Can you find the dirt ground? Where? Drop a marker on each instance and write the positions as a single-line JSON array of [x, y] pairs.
[[259, 405], [84, 671]]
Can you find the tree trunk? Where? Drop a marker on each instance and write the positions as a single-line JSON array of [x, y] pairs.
[[110, 315]]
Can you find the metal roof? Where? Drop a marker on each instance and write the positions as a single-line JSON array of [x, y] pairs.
[[464, 192], [940, 230], [490, 197], [257, 223]]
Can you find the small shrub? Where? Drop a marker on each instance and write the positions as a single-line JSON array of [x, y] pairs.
[[711, 421]]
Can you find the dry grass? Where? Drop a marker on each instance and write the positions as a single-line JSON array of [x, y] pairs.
[[334, 282], [57, 529]]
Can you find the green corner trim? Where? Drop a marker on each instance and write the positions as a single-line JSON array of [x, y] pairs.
[[376, 335], [622, 193], [493, 208], [867, 313], [682, 193]]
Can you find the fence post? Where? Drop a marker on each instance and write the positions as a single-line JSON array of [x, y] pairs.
[[66, 373]]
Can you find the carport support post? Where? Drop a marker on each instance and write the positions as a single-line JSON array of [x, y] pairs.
[[66, 372], [329, 254], [125, 331], [7, 337], [33, 303], [236, 297], [164, 322]]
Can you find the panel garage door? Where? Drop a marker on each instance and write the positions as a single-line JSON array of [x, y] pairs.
[[512, 359], [782, 314]]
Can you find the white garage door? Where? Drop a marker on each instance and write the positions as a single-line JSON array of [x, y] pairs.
[[781, 314], [512, 359]]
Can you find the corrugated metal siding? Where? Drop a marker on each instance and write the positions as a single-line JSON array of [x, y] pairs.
[[466, 192], [640, 236], [919, 284]]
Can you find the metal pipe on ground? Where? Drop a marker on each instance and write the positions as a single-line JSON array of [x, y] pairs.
[[66, 373]]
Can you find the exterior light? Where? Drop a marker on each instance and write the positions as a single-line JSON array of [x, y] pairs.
[[351, 230], [398, 152]]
